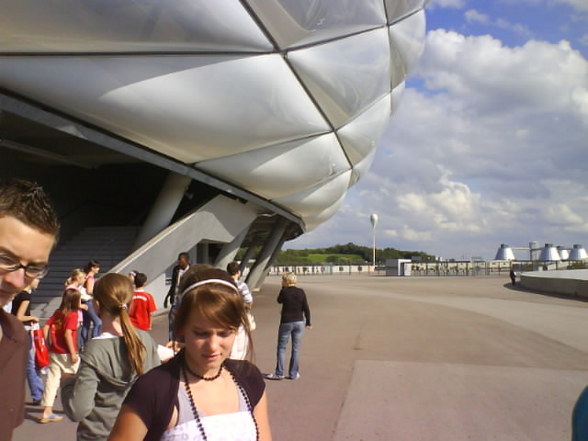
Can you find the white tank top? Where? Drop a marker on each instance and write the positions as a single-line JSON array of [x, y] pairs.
[[237, 426]]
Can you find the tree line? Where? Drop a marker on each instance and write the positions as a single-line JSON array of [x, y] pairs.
[[349, 253]]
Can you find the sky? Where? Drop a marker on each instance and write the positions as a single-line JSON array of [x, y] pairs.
[[490, 142]]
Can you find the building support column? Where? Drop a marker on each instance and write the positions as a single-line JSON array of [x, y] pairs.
[[229, 251], [246, 258], [164, 207], [203, 253], [258, 271], [274, 255]]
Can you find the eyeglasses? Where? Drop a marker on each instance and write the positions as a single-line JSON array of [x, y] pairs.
[[8, 265]]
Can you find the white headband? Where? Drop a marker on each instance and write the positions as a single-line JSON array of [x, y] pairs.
[[210, 281]]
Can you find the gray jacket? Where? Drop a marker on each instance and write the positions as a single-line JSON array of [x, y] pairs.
[[104, 377]]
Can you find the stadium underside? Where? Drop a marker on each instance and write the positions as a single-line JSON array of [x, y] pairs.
[[97, 179]]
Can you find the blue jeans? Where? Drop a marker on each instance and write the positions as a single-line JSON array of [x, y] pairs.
[[294, 329], [33, 378], [90, 317]]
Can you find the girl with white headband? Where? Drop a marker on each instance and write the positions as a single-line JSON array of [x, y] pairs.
[[200, 394]]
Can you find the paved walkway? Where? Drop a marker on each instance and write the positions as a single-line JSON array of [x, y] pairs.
[[410, 359]]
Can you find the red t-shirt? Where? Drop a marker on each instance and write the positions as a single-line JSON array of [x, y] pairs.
[[141, 308], [58, 324]]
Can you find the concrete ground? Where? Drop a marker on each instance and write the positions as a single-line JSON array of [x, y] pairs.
[[414, 358]]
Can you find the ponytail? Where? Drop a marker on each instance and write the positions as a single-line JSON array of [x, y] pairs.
[[135, 346], [114, 292], [73, 276]]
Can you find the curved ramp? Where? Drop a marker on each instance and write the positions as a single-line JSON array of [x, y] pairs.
[[573, 283]]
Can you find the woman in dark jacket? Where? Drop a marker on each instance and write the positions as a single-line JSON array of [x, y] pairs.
[[295, 316]]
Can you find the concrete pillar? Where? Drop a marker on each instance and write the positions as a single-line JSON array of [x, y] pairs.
[[218, 221], [164, 207], [273, 258], [257, 274], [202, 253], [248, 255], [229, 251]]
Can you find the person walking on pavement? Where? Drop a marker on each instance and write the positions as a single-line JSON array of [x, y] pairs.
[[295, 317], [173, 295]]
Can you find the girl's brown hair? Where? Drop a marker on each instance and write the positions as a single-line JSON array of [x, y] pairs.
[[70, 301], [215, 302], [114, 293]]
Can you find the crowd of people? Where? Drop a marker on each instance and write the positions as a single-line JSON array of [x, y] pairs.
[[115, 380]]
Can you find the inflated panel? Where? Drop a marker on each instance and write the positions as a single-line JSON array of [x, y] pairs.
[[123, 26], [316, 219], [153, 101], [407, 37], [302, 22], [397, 9], [317, 198], [361, 168], [359, 136], [280, 170], [396, 96], [345, 76]]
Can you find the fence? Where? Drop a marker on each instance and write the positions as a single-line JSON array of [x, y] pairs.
[[424, 269], [327, 269]]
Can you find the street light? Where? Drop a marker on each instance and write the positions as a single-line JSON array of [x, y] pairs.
[[374, 221]]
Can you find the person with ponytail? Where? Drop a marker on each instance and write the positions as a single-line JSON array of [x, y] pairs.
[[110, 363]]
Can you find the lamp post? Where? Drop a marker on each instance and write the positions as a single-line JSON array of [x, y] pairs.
[[374, 221]]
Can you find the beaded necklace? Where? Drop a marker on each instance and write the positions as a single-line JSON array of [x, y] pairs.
[[194, 374], [193, 405]]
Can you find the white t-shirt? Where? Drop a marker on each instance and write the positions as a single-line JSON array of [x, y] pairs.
[[178, 295]]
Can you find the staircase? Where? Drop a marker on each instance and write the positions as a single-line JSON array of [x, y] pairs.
[[108, 245]]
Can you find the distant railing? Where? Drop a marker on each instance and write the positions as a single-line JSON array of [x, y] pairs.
[[327, 269], [424, 269]]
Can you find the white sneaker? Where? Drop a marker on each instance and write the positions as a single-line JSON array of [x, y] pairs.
[[295, 377], [273, 376]]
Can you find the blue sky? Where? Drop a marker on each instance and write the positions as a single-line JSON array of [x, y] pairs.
[[490, 142]]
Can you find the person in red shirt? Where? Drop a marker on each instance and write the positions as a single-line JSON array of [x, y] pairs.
[[62, 327], [143, 305]]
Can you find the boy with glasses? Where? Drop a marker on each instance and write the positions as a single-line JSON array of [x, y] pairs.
[[28, 232]]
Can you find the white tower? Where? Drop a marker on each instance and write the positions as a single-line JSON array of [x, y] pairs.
[[374, 221]]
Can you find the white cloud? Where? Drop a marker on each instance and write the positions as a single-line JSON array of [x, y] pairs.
[[579, 5], [456, 4], [492, 150], [471, 15], [562, 214], [480, 71], [477, 17], [517, 28]]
